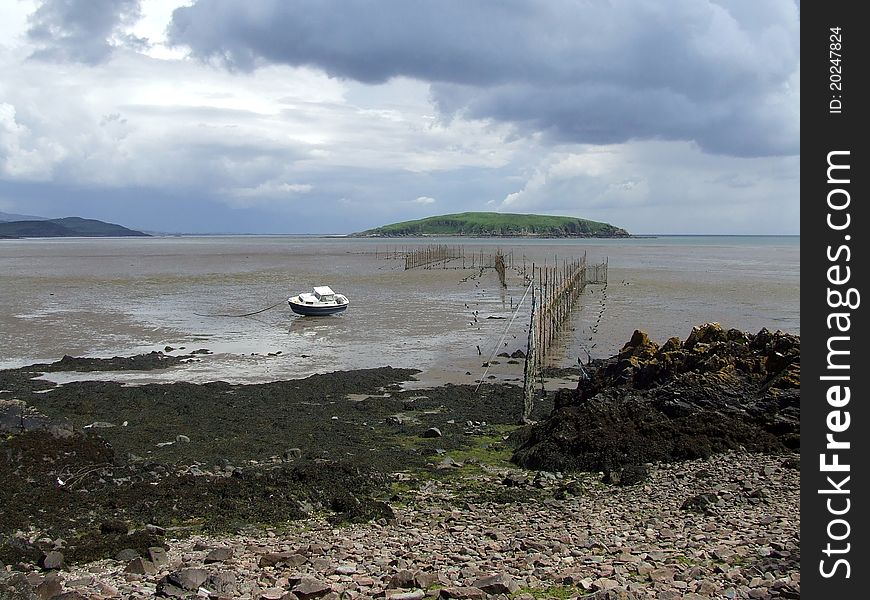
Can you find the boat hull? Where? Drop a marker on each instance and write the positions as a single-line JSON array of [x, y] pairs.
[[316, 311]]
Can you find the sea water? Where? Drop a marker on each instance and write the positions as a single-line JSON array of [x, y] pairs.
[[123, 296]]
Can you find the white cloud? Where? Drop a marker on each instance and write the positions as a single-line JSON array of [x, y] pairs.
[[423, 200], [664, 187], [596, 177], [24, 155]]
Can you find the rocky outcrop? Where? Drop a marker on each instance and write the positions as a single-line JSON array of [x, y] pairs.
[[718, 390]]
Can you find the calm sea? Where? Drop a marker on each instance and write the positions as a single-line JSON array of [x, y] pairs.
[[122, 296]]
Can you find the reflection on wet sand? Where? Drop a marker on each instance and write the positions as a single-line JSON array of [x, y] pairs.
[[122, 297]]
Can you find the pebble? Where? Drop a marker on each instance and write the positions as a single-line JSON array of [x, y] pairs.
[[625, 542]]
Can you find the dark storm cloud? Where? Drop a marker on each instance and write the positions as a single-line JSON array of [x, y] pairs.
[[82, 31], [722, 74]]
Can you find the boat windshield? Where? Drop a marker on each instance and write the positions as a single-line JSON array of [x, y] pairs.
[[324, 293]]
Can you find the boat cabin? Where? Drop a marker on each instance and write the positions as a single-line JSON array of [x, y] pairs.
[[324, 293]]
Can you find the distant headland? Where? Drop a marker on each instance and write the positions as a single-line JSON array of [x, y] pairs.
[[486, 224], [65, 227]]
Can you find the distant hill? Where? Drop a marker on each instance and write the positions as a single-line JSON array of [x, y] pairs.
[[486, 224], [66, 227], [6, 217]]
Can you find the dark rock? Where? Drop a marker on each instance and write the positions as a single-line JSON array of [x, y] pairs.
[[406, 579], [425, 580], [140, 362], [309, 587], [702, 503], [224, 582], [432, 432], [158, 556], [126, 555], [515, 480], [639, 346], [715, 392], [497, 584], [518, 354], [49, 588], [627, 475], [218, 555], [17, 417], [277, 559], [403, 579], [140, 566], [52, 561], [187, 579], [114, 526], [170, 590]]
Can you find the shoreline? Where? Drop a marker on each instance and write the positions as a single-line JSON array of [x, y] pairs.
[[331, 470], [629, 543]]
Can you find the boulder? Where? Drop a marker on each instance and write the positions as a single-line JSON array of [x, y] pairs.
[[158, 556], [218, 555], [140, 566], [189, 579], [402, 579], [308, 587], [52, 561], [49, 588], [126, 555], [497, 584]]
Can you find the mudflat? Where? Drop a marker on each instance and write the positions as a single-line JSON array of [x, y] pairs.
[[354, 484]]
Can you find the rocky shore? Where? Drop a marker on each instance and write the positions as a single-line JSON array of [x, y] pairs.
[[718, 390], [345, 485], [725, 527]]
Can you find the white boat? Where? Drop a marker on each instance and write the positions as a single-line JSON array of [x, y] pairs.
[[323, 301]]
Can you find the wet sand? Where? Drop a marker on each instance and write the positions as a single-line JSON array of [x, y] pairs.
[[122, 297]]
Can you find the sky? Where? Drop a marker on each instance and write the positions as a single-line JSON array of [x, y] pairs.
[[335, 116]]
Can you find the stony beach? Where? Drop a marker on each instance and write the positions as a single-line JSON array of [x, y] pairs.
[[726, 527], [345, 485]]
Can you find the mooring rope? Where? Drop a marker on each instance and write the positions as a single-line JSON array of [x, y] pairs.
[[498, 344], [256, 312]]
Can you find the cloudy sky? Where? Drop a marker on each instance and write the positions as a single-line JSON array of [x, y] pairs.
[[333, 116]]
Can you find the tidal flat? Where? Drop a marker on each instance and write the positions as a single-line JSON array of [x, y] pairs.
[[381, 452]]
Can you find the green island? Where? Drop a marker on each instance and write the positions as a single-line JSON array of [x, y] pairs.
[[485, 224], [65, 227]]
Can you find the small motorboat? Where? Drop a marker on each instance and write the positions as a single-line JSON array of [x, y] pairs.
[[323, 301]]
